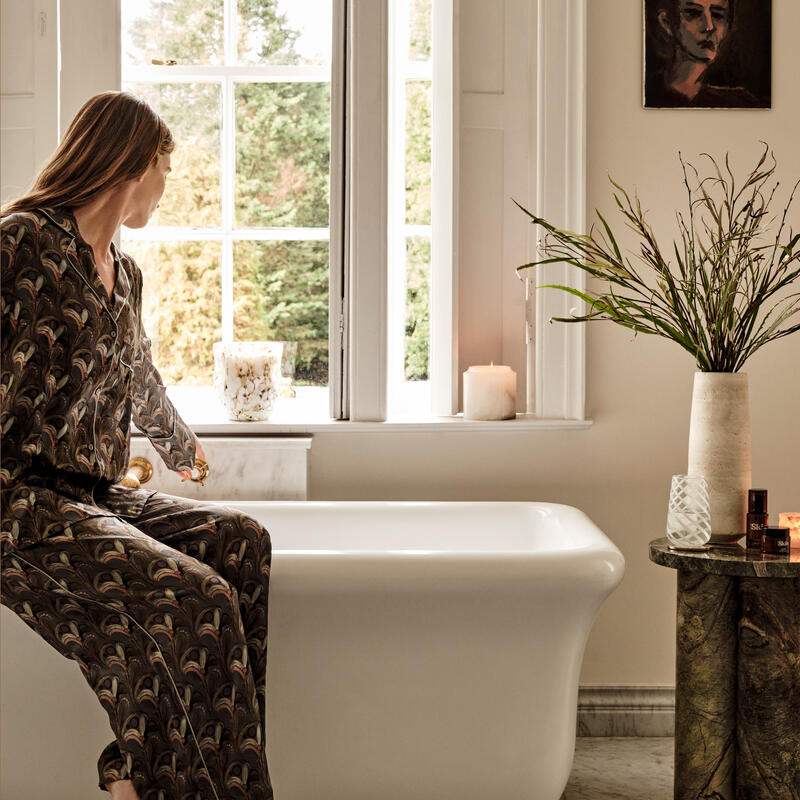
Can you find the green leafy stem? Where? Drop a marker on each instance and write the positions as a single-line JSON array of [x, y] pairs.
[[729, 289]]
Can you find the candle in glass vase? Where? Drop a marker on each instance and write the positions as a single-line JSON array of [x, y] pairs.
[[490, 392], [247, 377], [791, 520]]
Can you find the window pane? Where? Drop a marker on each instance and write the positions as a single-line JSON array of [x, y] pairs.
[[181, 306], [419, 30], [192, 111], [285, 32], [282, 154], [188, 31], [418, 315], [280, 293], [418, 152]]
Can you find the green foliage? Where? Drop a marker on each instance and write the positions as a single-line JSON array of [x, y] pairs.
[[260, 22], [418, 212], [193, 195], [182, 306], [282, 154], [418, 308], [281, 294], [419, 31], [418, 152], [187, 31], [727, 292]]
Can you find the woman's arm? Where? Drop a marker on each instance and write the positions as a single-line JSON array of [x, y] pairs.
[[153, 412]]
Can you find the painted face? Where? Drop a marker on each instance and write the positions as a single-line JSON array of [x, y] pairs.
[[147, 192], [702, 25]]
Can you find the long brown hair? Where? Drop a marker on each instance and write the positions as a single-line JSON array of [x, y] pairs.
[[114, 137]]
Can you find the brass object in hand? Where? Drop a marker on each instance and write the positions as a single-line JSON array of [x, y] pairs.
[[201, 469], [140, 470]]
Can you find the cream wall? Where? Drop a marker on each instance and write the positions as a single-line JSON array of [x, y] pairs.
[[638, 392]]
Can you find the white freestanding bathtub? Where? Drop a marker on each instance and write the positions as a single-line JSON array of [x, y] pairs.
[[416, 650], [428, 650]]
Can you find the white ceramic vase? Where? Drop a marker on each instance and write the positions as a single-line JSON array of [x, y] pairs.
[[719, 449]]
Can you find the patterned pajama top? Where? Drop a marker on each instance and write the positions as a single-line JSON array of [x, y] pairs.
[[75, 369]]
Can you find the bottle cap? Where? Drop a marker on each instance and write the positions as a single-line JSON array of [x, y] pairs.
[[757, 501], [780, 532]]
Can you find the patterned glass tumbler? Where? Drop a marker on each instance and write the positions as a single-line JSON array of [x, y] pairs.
[[689, 514]]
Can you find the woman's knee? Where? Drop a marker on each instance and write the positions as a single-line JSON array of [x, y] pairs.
[[245, 532]]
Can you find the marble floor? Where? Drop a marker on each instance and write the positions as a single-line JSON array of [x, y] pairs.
[[621, 769]]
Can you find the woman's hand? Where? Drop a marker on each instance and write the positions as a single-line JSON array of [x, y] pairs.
[[186, 474], [122, 790]]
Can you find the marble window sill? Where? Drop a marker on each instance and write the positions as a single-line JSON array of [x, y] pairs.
[[305, 414]]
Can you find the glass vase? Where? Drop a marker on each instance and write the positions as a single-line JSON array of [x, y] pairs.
[[689, 513]]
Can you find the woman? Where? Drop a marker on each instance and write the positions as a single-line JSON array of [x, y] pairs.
[[689, 34], [162, 601]]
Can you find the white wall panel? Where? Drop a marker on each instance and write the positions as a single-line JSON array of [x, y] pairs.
[[16, 161], [480, 266], [28, 91], [482, 31], [16, 56], [90, 54]]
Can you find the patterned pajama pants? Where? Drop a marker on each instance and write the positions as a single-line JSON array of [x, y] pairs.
[[166, 615]]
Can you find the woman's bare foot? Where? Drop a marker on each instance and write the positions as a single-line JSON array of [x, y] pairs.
[[122, 790]]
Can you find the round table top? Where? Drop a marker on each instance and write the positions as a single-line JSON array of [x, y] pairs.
[[727, 560]]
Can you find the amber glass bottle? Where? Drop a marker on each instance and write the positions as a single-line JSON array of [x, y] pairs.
[[757, 517]]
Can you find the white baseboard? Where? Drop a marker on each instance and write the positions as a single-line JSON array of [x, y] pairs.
[[626, 711]]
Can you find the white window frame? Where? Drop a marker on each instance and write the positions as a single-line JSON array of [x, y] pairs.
[[558, 359], [366, 186], [444, 367], [557, 137], [557, 168]]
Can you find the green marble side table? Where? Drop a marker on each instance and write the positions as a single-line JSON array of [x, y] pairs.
[[737, 675]]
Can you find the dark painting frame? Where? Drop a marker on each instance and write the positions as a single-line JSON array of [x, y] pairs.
[[729, 42]]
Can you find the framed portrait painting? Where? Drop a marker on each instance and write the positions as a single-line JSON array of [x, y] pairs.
[[707, 53]]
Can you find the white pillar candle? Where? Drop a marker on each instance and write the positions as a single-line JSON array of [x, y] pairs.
[[247, 377], [490, 392]]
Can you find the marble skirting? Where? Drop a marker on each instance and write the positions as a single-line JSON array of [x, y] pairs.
[[626, 711], [274, 468]]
